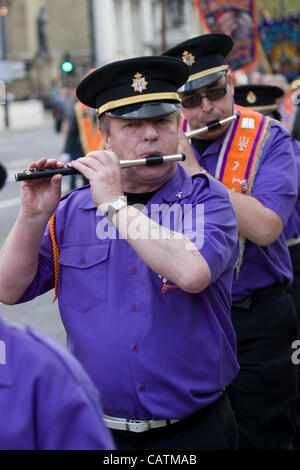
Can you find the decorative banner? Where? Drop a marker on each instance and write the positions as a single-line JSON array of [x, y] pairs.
[[281, 43], [236, 18]]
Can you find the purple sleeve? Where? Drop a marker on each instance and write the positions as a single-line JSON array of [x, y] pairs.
[[67, 404], [219, 242], [44, 279], [296, 148], [76, 423], [275, 185]]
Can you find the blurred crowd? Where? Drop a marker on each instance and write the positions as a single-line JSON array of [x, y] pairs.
[[61, 104], [288, 104]]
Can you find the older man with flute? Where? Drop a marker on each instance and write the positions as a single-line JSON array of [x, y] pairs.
[[142, 262]]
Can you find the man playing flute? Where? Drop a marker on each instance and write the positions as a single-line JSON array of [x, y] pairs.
[[254, 160], [143, 291]]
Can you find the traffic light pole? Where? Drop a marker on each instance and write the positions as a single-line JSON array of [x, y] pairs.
[[67, 70]]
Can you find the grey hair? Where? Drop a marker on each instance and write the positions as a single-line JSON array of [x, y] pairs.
[[104, 122]]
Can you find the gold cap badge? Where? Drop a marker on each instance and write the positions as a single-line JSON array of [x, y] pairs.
[[139, 83], [251, 97], [188, 58]]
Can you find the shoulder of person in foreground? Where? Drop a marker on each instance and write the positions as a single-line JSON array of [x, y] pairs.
[[66, 404]]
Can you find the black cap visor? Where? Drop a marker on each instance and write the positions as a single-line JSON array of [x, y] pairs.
[[202, 81], [145, 110]]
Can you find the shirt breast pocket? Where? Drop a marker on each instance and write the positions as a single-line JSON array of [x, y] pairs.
[[83, 277]]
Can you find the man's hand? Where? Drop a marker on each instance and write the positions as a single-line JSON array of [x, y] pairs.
[[190, 164], [102, 169], [40, 197]]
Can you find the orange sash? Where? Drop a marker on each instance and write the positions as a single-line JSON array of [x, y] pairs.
[[240, 155], [89, 133], [241, 150], [183, 124]]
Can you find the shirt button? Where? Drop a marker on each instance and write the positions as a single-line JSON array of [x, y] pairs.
[[133, 307], [142, 388], [133, 271], [83, 260], [135, 348]]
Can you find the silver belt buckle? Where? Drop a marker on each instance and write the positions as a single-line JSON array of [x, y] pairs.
[[137, 426], [133, 425]]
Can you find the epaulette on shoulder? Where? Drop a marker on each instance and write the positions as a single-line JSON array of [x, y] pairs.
[[65, 196]]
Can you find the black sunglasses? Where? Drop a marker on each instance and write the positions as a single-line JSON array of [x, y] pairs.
[[212, 95]]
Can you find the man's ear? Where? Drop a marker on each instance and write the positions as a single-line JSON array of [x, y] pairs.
[[106, 141]]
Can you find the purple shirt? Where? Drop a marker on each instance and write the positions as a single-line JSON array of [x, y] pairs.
[[47, 401], [275, 187], [292, 228], [152, 353]]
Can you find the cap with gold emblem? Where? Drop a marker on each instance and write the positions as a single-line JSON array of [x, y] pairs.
[[138, 88], [206, 57], [261, 98]]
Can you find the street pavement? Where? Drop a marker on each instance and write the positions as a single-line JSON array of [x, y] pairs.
[[17, 150]]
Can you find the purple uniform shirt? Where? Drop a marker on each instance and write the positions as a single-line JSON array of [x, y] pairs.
[[153, 351], [292, 228], [47, 401], [275, 186]]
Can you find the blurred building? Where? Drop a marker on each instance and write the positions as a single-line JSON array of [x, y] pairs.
[[43, 34], [127, 28]]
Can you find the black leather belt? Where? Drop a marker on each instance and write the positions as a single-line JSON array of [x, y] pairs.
[[247, 301]]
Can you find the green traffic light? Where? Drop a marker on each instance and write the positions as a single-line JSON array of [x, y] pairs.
[[67, 66]]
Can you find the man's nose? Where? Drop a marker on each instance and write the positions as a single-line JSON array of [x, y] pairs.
[[150, 132], [206, 105]]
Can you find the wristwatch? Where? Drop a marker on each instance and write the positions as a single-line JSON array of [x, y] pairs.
[[114, 207]]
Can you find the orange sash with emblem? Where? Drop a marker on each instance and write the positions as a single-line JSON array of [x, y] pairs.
[[89, 133], [241, 150], [240, 155]]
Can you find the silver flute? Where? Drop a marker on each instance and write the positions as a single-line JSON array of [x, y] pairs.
[[211, 125]]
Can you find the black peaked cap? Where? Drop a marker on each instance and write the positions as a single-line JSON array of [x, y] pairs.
[[142, 87], [260, 98], [205, 56]]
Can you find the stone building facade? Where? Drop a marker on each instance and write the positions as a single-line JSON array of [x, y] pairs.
[[92, 32]]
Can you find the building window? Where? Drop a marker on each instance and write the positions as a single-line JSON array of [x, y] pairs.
[[175, 12]]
